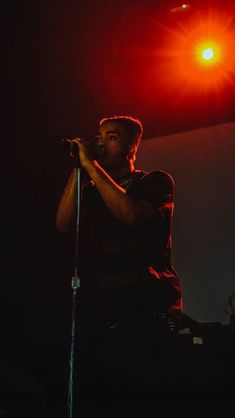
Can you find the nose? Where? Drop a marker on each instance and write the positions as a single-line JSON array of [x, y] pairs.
[[99, 147], [99, 141]]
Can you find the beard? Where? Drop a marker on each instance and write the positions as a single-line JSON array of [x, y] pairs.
[[110, 162]]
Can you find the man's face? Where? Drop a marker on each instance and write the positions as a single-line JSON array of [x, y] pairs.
[[114, 143]]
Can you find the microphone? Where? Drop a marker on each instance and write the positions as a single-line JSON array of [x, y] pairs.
[[97, 151], [70, 146], [73, 149]]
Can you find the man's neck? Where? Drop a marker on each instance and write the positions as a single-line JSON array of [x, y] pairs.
[[120, 172]]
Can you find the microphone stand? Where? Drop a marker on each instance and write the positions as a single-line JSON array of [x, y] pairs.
[[75, 284]]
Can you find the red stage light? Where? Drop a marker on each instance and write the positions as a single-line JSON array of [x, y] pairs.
[[197, 53], [208, 54]]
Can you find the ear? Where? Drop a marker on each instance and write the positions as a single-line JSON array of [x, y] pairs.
[[131, 152]]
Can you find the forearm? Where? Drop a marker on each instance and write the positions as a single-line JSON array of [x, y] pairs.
[[66, 211]]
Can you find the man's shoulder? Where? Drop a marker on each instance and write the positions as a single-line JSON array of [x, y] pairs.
[[154, 176]]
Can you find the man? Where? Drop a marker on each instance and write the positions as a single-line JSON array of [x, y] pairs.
[[127, 280]]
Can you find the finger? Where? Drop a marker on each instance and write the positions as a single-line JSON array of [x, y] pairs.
[[77, 140]]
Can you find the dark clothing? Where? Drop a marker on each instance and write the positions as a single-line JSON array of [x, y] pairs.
[[127, 280], [126, 272]]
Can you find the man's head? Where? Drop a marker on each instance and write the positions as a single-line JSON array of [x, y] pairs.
[[125, 130]]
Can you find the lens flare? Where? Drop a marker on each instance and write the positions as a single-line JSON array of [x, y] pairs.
[[197, 54]]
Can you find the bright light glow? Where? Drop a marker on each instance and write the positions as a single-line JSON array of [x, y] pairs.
[[184, 6], [197, 55], [208, 54]]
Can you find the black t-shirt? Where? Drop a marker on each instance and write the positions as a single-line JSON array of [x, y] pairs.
[[126, 271]]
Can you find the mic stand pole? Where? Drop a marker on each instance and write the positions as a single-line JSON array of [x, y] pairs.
[[75, 284]]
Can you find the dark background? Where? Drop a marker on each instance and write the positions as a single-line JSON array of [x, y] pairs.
[[66, 64]]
